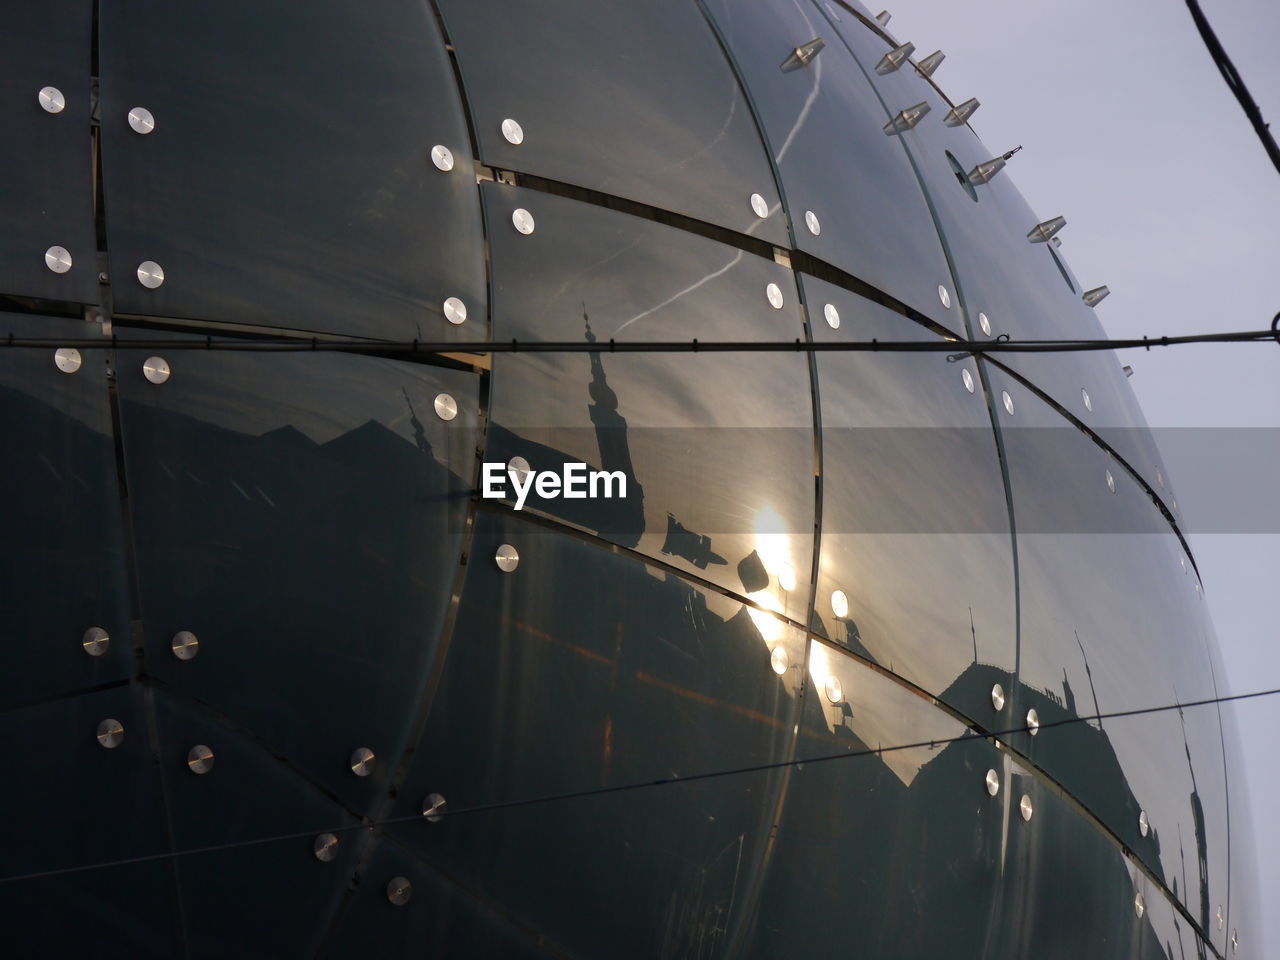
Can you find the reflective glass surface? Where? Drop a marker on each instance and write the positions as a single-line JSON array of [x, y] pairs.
[[288, 180], [1065, 889], [1244, 906], [583, 672], [1167, 933], [916, 571], [301, 514], [1019, 286], [260, 900], [823, 123], [839, 9], [635, 100], [1109, 622], [855, 825], [438, 920], [717, 449], [46, 178], [62, 566], [93, 806]]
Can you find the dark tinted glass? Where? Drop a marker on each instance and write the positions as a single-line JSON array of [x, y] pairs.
[[439, 919], [46, 179], [730, 499], [99, 806], [278, 890], [62, 566], [852, 825], [587, 670], [1135, 643], [301, 514], [1044, 911], [288, 181], [916, 570], [871, 214], [1018, 286], [631, 99]]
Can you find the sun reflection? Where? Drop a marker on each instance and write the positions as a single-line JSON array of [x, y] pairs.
[[770, 627], [819, 664], [787, 577], [773, 544]]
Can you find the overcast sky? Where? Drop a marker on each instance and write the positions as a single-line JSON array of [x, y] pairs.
[[1130, 133]]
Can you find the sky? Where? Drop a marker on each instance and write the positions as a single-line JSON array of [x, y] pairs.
[[1130, 132]]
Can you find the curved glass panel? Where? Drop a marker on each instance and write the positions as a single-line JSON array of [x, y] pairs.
[[1244, 914], [1167, 934], [1243, 917], [1039, 908], [301, 514], [437, 918], [288, 181], [46, 178], [716, 449], [1018, 286], [872, 219], [282, 892], [549, 708], [855, 820], [1110, 623], [661, 120], [916, 571], [112, 800], [62, 565], [839, 10]]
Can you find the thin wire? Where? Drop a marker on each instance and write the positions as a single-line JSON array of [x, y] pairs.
[[959, 348], [969, 734], [1232, 76]]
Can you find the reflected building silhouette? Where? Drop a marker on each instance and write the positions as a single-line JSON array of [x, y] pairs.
[[824, 830], [850, 636], [1097, 710], [419, 432], [1202, 847], [620, 519], [694, 547], [1078, 752], [668, 642], [611, 426]]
